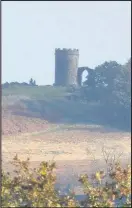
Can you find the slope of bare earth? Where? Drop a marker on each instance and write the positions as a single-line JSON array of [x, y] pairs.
[[15, 124]]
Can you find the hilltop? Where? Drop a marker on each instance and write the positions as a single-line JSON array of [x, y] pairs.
[[21, 111], [28, 108]]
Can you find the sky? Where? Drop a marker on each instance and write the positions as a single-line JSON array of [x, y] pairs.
[[32, 30]]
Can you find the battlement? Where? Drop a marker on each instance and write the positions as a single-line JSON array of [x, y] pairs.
[[68, 51]]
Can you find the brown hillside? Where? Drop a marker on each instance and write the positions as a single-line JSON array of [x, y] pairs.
[[16, 124], [13, 124]]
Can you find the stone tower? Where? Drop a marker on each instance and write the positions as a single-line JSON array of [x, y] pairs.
[[66, 66]]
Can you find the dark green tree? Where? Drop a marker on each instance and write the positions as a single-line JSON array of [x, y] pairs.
[[112, 88], [31, 81], [122, 86], [100, 82], [34, 83]]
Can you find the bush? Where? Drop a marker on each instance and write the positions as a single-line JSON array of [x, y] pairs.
[[36, 187]]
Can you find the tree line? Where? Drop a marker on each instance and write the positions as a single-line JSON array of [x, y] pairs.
[[30, 83], [110, 85]]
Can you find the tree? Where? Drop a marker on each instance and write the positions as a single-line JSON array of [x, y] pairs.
[[112, 88], [32, 82], [101, 81], [105, 74], [122, 86], [118, 103], [128, 66]]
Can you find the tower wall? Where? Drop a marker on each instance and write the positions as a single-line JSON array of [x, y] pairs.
[[66, 66]]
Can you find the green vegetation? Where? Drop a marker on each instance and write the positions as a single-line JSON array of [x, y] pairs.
[[36, 92], [32, 82], [36, 187], [110, 84]]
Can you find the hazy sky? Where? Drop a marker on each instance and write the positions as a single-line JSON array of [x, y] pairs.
[[32, 30]]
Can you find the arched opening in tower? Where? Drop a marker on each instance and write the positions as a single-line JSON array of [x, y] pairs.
[[84, 77]]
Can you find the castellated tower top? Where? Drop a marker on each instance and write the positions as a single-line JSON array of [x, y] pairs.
[[67, 51]]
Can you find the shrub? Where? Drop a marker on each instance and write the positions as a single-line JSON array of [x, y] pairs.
[[112, 190], [36, 187]]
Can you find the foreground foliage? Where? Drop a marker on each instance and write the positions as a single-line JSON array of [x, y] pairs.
[[36, 187]]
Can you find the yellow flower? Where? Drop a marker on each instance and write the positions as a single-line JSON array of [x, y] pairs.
[[98, 177], [58, 205], [35, 194], [43, 172]]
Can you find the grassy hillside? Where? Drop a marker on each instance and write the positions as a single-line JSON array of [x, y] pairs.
[[38, 92], [46, 100], [51, 104]]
